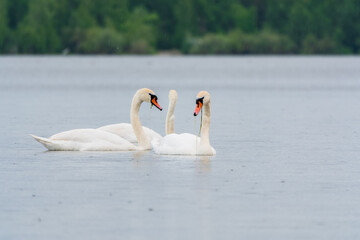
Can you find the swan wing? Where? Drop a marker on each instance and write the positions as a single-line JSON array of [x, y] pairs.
[[125, 130], [151, 134]]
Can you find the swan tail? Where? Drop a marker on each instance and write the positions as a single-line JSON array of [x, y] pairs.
[[50, 145]]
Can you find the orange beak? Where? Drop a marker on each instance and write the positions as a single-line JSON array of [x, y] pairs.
[[156, 104], [198, 108]]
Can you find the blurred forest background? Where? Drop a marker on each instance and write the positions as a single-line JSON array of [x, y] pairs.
[[180, 26]]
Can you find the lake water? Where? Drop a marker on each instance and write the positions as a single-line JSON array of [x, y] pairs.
[[286, 131]]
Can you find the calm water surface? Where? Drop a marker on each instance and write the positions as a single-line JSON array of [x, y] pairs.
[[286, 131]]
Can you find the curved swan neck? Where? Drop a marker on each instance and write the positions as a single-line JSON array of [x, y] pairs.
[[136, 124], [205, 130], [170, 118]]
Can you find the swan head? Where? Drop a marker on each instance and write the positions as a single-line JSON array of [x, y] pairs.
[[203, 97], [148, 95], [173, 96]]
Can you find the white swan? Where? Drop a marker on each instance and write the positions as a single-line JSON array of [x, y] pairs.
[[186, 143], [98, 140], [170, 118]]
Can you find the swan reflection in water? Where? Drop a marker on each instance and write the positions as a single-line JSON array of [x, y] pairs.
[[138, 158], [203, 164]]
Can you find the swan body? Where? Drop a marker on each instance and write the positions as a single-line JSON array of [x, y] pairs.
[[85, 140], [186, 143], [181, 144], [100, 140]]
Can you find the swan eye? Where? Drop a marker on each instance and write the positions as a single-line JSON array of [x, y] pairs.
[[199, 100], [152, 96]]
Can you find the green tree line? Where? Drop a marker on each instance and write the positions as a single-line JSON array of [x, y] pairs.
[[186, 26]]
